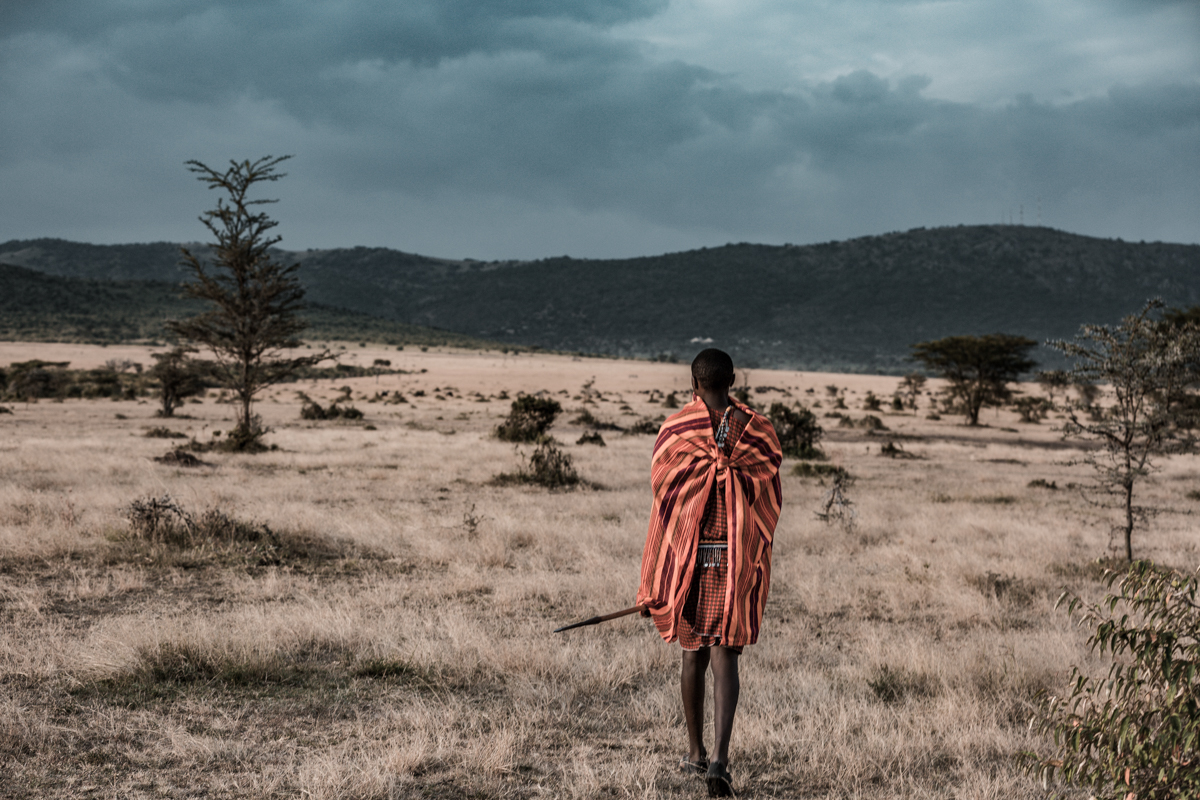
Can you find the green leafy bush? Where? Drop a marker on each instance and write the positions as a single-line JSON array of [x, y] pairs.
[[529, 419], [1136, 732], [798, 431]]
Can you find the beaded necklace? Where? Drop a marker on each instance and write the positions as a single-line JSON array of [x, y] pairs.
[[723, 429]]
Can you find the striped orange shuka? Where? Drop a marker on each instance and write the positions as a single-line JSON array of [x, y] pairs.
[[684, 468]]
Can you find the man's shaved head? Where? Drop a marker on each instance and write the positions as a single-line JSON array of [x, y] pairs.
[[713, 369]]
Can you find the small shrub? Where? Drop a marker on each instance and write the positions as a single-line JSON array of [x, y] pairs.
[[807, 469], [548, 466], [551, 467], [933, 415], [245, 438], [529, 418], [836, 506], [871, 402], [647, 425], [1193, 494], [893, 450], [1042, 483], [181, 458], [798, 431], [159, 519], [164, 433], [870, 422], [5, 410], [670, 401], [591, 437]]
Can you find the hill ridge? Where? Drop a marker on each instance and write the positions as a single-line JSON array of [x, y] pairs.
[[851, 305]]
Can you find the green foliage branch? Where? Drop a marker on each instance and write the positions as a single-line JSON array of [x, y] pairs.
[[1150, 366], [978, 369], [254, 301], [1136, 732]]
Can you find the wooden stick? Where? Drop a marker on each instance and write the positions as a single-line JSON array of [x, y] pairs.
[[598, 620]]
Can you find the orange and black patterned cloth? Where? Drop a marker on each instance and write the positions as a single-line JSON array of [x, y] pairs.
[[705, 604], [686, 470]]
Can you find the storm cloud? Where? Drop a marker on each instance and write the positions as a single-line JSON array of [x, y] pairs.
[[541, 127]]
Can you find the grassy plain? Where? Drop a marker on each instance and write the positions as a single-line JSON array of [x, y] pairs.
[[394, 640]]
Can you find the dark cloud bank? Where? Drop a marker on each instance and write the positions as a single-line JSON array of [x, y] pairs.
[[524, 129]]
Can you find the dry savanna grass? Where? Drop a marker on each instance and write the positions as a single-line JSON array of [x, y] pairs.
[[363, 613]]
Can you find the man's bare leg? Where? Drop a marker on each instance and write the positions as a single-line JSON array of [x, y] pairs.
[[695, 664], [726, 687]]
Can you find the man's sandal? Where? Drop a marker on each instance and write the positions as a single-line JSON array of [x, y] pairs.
[[720, 782], [689, 767]]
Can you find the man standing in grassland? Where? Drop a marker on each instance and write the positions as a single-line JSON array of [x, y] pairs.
[[706, 567]]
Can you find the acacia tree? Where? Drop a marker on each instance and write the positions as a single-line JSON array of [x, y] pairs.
[[1149, 366], [977, 368], [179, 377], [254, 300]]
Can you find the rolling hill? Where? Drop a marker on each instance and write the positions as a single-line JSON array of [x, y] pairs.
[[39, 307], [855, 305]]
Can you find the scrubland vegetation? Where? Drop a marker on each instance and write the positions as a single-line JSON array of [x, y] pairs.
[[365, 611]]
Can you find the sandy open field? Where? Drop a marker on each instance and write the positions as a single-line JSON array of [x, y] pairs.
[[396, 640]]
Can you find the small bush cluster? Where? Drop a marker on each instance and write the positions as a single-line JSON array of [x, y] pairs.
[[591, 437], [312, 410], [33, 380], [528, 419], [870, 423], [161, 520]]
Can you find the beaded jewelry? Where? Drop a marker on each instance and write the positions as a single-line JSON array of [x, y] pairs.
[[723, 429]]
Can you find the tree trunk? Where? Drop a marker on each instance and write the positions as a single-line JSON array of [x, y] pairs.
[[1129, 520]]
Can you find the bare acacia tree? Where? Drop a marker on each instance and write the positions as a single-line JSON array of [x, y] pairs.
[[1149, 366], [254, 300]]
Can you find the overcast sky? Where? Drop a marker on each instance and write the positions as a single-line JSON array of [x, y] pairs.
[[601, 128]]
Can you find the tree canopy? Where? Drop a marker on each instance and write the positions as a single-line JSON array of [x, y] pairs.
[[978, 368]]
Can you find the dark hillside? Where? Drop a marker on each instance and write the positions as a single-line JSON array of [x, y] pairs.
[[853, 305], [52, 308]]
